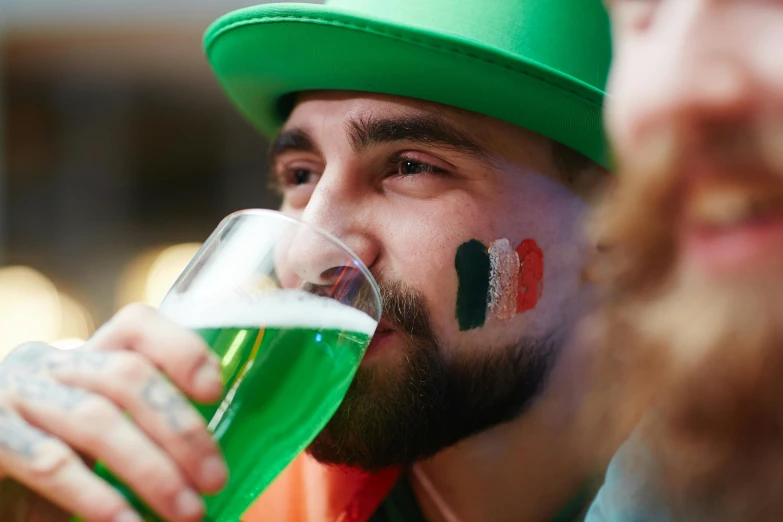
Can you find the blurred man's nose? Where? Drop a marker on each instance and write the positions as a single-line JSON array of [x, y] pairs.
[[712, 89], [337, 208], [702, 71]]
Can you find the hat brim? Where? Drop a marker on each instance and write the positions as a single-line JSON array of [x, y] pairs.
[[264, 53]]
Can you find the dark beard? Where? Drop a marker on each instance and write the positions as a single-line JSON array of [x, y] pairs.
[[393, 417]]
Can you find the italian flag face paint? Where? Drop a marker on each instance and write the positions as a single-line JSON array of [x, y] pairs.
[[473, 273], [499, 280], [504, 280], [531, 275]]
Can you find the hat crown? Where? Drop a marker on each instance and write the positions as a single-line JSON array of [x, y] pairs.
[[571, 36]]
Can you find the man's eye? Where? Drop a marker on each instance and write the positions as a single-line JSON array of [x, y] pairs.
[[409, 167], [299, 176]]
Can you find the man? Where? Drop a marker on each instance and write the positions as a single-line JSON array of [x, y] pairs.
[[694, 239], [453, 147]]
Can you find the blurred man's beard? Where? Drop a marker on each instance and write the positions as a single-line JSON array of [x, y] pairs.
[[707, 359], [704, 354], [658, 323], [396, 416]]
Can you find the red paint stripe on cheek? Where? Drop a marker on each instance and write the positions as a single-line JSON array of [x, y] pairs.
[[531, 274]]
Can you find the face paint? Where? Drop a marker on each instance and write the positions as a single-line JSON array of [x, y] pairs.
[[500, 280], [531, 274], [473, 273], [504, 280]]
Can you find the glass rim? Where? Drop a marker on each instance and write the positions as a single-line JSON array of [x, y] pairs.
[[276, 214]]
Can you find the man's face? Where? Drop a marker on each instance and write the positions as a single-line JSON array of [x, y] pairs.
[[423, 193], [695, 236], [696, 119], [696, 228], [698, 85]]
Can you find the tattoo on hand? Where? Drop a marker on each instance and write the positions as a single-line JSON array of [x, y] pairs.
[[27, 357], [159, 396], [25, 374], [77, 360], [42, 389], [17, 436]]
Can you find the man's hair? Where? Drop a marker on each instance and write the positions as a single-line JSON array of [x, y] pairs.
[[582, 175], [570, 162]]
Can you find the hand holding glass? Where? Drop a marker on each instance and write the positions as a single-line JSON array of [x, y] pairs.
[[290, 312]]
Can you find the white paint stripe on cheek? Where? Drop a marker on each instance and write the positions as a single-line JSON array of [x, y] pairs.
[[504, 275]]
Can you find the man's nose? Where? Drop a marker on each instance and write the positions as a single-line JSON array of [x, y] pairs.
[[713, 89], [699, 76], [328, 257]]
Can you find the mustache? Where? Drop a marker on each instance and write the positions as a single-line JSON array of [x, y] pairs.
[[744, 147], [401, 304], [405, 308], [635, 226], [741, 146]]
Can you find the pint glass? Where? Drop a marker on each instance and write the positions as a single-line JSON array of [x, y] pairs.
[[290, 311]]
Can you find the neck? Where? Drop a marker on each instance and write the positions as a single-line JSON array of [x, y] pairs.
[[524, 470]]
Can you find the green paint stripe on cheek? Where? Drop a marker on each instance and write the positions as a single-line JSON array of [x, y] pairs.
[[473, 271]]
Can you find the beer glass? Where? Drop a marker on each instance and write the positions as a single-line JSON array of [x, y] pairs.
[[290, 311]]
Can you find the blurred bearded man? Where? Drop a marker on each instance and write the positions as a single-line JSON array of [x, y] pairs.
[[694, 262]]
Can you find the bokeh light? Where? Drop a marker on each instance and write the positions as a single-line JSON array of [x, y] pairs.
[[33, 309], [150, 276]]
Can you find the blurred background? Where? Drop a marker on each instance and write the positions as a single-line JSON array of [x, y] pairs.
[[118, 156]]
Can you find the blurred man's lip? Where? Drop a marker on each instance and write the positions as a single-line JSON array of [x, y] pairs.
[[733, 225], [383, 334]]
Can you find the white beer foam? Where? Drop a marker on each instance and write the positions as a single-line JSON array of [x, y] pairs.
[[277, 309]]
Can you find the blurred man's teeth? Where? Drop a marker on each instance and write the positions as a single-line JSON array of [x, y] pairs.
[[720, 208], [731, 206]]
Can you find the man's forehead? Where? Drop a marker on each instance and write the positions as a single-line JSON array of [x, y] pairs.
[[368, 120], [360, 97], [338, 107], [354, 104]]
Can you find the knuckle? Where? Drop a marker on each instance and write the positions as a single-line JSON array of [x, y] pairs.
[[27, 352], [105, 507], [191, 348], [199, 348], [162, 480], [127, 326], [191, 438], [132, 366], [193, 428], [133, 313], [49, 461], [97, 411]]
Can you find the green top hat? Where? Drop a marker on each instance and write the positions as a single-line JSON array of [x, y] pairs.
[[539, 64]]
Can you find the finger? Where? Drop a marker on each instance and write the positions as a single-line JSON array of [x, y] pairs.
[[179, 352], [51, 469], [93, 425], [28, 358], [157, 407]]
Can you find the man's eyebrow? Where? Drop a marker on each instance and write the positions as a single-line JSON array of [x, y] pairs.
[[291, 140], [365, 132]]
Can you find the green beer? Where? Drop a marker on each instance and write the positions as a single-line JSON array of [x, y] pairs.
[[287, 358]]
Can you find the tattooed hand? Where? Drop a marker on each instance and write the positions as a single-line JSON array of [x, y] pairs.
[[58, 407]]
